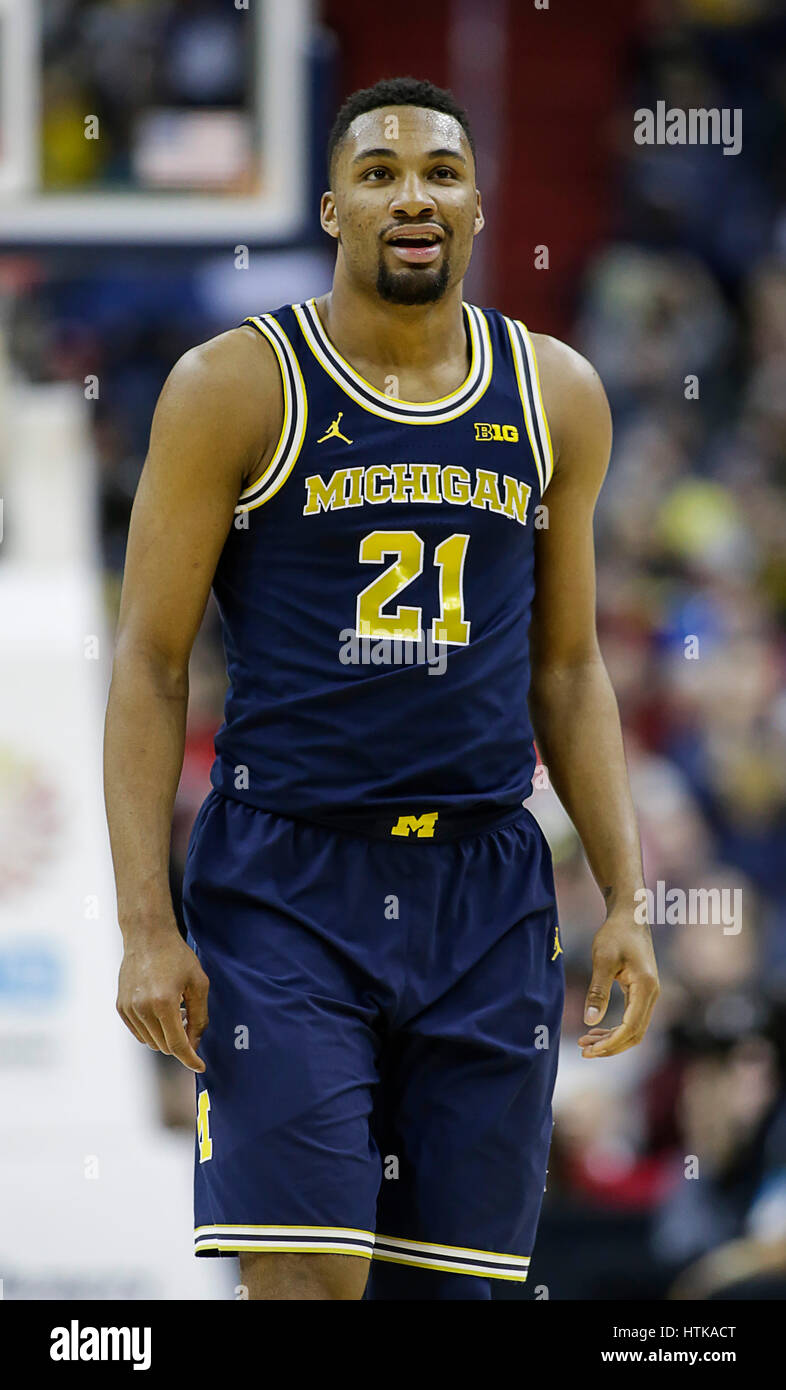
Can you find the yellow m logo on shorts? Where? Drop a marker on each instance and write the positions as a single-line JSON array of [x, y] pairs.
[[203, 1127], [423, 826]]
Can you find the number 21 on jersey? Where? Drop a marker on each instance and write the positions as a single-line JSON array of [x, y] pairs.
[[406, 624]]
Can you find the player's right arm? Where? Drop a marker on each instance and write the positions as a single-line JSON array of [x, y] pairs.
[[214, 429]]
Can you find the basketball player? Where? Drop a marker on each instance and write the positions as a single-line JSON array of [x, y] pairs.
[[391, 493]]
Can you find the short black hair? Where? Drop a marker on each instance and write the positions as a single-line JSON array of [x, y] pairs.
[[395, 91]]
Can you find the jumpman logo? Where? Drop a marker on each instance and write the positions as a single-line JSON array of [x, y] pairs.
[[558, 951], [334, 432]]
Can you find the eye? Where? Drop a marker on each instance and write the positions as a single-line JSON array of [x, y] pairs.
[[377, 170], [445, 170]]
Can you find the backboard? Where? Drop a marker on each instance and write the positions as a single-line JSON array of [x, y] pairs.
[[148, 122]]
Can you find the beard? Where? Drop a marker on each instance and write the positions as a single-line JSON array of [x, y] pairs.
[[423, 286]]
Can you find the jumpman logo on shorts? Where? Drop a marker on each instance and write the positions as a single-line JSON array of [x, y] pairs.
[[558, 951], [334, 432]]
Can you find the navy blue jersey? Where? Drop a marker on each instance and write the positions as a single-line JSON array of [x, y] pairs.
[[376, 585]]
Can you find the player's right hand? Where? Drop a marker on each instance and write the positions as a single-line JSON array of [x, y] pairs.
[[157, 976]]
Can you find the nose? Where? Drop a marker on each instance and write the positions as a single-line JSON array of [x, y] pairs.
[[412, 198]]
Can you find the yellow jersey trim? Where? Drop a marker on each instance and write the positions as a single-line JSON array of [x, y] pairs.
[[274, 1229], [403, 412], [543, 416], [432, 1247], [541, 422], [293, 1248], [451, 1269], [520, 369], [418, 1254], [345, 1240], [293, 429]]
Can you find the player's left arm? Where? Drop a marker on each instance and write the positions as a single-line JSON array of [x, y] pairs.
[[572, 703]]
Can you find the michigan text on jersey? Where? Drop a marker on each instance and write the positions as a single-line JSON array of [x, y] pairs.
[[418, 482]]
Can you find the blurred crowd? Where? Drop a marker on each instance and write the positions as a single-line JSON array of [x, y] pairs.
[[668, 1168]]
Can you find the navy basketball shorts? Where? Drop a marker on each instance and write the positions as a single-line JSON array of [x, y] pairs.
[[382, 1045]]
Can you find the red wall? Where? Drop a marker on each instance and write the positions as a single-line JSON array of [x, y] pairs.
[[564, 78]]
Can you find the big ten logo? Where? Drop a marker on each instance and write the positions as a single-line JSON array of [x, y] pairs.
[[501, 434]]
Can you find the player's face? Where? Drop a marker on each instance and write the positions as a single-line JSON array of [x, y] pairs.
[[404, 207]]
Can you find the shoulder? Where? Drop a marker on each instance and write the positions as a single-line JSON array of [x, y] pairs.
[[574, 400], [234, 364], [573, 392], [226, 390]]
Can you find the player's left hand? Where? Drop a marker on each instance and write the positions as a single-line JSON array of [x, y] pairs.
[[622, 950]]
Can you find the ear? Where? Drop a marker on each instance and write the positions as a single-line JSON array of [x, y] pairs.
[[480, 220], [328, 216]]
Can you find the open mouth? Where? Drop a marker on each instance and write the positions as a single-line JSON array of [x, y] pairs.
[[415, 246], [428, 239]]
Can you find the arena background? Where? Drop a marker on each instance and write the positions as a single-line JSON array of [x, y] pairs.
[[191, 202]]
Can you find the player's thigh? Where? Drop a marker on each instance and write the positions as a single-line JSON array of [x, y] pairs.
[[311, 1277], [282, 1151], [466, 1112]]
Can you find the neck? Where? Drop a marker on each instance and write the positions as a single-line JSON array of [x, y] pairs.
[[369, 329]]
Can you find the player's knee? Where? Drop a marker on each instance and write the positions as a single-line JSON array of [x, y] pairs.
[[293, 1276]]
